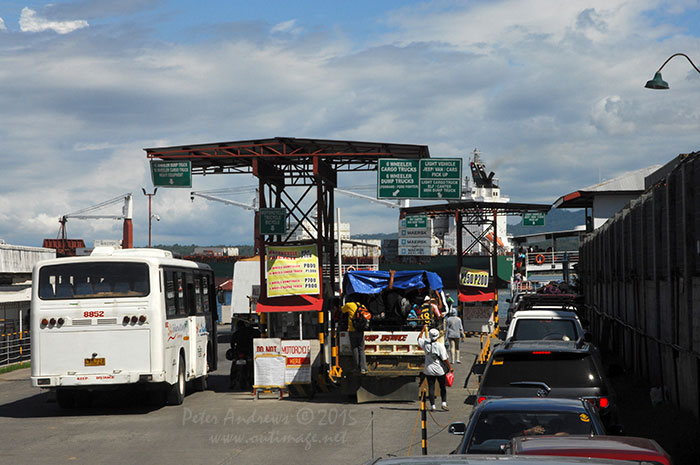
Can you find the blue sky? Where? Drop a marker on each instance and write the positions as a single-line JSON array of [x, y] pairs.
[[550, 92]]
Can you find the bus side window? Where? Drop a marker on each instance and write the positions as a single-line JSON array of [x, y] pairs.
[[191, 308], [170, 309], [198, 293], [180, 294]]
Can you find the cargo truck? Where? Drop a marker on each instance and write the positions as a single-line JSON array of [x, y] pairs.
[[394, 359]]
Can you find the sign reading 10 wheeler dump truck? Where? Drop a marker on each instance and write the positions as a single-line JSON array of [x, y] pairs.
[[427, 178]]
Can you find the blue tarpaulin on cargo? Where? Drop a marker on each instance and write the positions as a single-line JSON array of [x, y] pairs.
[[373, 282]]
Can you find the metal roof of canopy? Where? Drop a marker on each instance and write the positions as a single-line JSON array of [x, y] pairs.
[[292, 155], [507, 208]]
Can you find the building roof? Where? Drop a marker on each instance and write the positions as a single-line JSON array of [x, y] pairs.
[[629, 183]]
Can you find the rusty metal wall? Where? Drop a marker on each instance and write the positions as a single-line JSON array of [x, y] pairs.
[[640, 273]]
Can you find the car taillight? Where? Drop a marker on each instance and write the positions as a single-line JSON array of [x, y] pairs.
[[61, 321], [142, 319], [481, 399], [541, 352], [52, 321], [134, 319], [126, 320], [603, 402], [44, 322]]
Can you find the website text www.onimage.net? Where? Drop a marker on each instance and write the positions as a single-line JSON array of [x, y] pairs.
[[308, 440]]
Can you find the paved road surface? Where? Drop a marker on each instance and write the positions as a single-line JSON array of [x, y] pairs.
[[218, 426]]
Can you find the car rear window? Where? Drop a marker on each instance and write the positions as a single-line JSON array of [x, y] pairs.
[[531, 329], [494, 429], [556, 369]]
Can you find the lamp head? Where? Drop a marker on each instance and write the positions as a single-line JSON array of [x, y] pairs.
[[657, 83]]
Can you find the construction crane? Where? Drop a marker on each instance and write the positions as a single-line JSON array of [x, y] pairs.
[[87, 214], [386, 203], [246, 189]]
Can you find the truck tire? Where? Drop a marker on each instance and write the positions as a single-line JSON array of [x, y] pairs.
[[176, 393], [201, 383]]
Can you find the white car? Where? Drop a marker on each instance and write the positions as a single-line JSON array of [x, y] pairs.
[[538, 324]]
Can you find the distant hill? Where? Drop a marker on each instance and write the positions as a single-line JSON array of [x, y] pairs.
[[183, 250], [380, 236], [556, 220]]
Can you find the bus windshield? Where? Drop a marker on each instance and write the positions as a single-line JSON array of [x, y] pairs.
[[93, 280]]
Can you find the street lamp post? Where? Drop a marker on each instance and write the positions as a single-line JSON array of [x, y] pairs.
[[658, 82], [150, 216]]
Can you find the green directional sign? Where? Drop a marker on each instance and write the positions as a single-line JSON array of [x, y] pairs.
[[171, 173], [440, 178], [416, 222], [397, 179], [533, 219], [273, 220]]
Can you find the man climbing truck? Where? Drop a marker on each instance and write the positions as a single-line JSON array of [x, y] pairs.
[[394, 359]]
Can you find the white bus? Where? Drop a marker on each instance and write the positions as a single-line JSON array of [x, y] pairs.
[[122, 317]]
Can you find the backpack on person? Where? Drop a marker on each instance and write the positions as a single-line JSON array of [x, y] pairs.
[[361, 318]]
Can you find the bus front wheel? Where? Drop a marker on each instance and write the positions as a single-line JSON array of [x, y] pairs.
[[176, 394]]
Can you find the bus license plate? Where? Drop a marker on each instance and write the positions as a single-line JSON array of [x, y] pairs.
[[241, 362], [94, 362]]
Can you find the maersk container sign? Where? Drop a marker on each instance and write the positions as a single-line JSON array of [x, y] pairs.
[[171, 173], [428, 178], [414, 242]]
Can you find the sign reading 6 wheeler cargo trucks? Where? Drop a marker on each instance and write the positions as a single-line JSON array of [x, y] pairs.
[[427, 178], [292, 270]]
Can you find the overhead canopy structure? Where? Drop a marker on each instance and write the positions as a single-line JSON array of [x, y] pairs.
[[282, 162], [474, 212], [293, 158]]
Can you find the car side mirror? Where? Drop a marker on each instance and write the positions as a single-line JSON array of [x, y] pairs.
[[479, 368], [457, 428], [615, 430], [588, 337]]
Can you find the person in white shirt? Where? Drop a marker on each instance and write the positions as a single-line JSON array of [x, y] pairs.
[[435, 356]]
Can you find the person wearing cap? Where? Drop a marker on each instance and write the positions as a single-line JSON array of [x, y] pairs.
[[436, 364], [454, 332]]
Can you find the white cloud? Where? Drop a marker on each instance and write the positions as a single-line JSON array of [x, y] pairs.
[[30, 22], [2, 25], [287, 27], [608, 116], [552, 91]]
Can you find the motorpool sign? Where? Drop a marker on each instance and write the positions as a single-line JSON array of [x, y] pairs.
[[273, 220], [533, 219], [292, 270], [428, 178], [171, 173]]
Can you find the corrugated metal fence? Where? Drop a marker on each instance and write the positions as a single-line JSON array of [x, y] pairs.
[[641, 278]]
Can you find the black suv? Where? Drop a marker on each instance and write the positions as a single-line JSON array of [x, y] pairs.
[[548, 369]]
